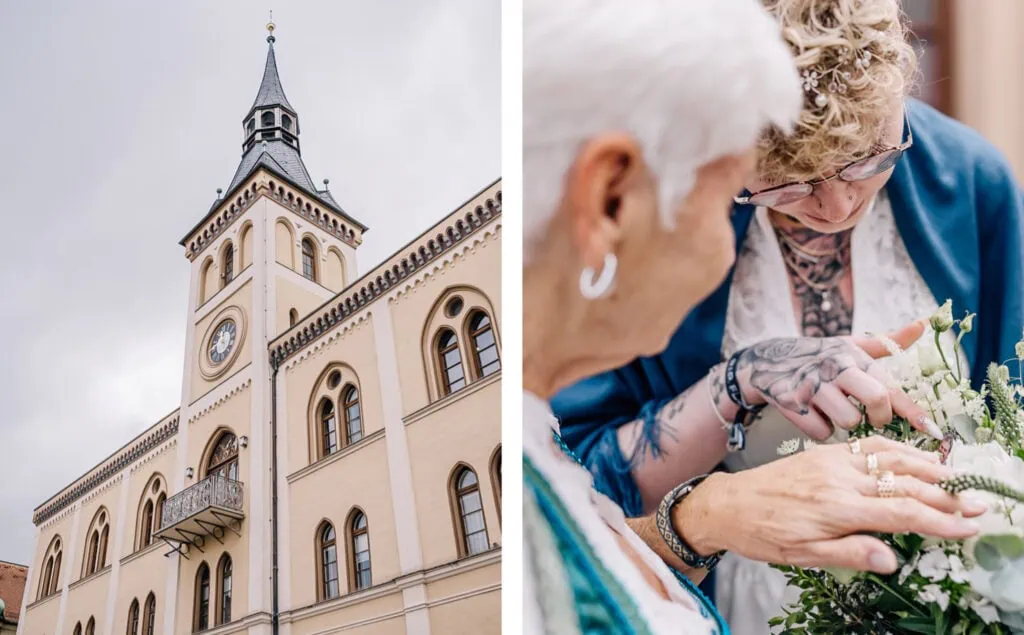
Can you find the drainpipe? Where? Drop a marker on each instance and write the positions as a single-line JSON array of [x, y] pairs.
[[276, 616]]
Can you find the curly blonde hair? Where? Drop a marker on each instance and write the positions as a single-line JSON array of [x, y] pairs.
[[856, 65]]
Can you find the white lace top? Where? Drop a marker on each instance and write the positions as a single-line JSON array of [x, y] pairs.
[[599, 519], [888, 293]]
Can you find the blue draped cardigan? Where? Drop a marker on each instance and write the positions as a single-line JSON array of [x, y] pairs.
[[960, 212]]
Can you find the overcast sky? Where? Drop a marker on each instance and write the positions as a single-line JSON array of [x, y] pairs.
[[119, 121]]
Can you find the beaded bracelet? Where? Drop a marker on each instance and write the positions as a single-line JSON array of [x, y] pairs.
[[673, 540], [747, 413]]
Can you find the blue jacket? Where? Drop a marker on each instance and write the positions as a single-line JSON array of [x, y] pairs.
[[960, 212]]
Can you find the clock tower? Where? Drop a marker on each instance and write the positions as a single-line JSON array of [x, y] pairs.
[[271, 248]]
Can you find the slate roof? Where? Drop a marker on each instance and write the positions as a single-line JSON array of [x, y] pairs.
[[12, 589], [271, 92], [279, 157]]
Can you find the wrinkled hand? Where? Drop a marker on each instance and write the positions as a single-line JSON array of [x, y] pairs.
[[811, 509], [811, 380]]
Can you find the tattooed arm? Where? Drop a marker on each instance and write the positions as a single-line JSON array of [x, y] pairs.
[[809, 380]]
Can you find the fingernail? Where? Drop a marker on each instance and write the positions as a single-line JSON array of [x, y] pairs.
[[968, 526], [930, 427], [973, 505], [881, 562]]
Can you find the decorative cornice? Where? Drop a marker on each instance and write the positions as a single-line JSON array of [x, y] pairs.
[[278, 189], [481, 239], [114, 480], [107, 470], [152, 455], [321, 345], [358, 296], [220, 398]]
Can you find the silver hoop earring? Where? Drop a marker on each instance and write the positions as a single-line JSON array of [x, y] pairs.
[[592, 289]]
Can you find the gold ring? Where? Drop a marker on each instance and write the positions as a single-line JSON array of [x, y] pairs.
[[886, 484], [872, 463], [854, 445]]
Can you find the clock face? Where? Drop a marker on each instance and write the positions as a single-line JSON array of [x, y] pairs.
[[223, 341]]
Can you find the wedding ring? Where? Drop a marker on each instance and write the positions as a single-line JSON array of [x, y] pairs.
[[886, 484], [872, 462], [855, 445]]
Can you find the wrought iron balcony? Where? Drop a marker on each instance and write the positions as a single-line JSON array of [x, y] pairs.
[[203, 510]]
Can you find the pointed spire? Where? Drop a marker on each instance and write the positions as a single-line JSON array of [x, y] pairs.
[[271, 92]]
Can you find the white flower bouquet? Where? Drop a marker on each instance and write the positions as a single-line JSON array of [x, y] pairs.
[[943, 587]]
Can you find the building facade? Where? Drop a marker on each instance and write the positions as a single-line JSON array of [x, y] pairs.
[[335, 461], [12, 589]]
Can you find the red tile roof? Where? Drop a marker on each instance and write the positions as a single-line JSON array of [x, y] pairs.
[[12, 588]]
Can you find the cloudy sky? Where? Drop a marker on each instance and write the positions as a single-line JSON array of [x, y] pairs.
[[120, 119]]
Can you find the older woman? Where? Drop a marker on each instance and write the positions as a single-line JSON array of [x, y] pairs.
[[633, 149], [871, 213]]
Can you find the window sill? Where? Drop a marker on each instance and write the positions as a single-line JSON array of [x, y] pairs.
[[337, 456], [42, 601], [92, 576], [153, 546], [443, 402]]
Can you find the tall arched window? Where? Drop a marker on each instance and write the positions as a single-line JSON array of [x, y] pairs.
[[353, 415], [293, 317], [229, 263], [471, 528], [159, 511], [267, 119], [78, 629], [453, 378], [308, 259], [49, 582], [133, 618], [96, 550], [328, 549], [223, 460], [146, 531], [201, 606], [149, 616], [485, 348], [496, 479], [224, 584], [90, 627], [359, 544], [328, 429]]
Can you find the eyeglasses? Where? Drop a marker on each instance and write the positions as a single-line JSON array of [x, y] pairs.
[[859, 170]]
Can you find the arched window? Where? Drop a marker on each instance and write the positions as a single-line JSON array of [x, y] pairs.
[[353, 415], [453, 378], [267, 119], [328, 549], [78, 629], [149, 617], [224, 590], [485, 348], [90, 627], [206, 287], [496, 479], [328, 429], [286, 121], [223, 461], [229, 263], [201, 606], [133, 618], [159, 512], [359, 544], [293, 317], [251, 126], [96, 550], [146, 531], [49, 582], [471, 527], [308, 259]]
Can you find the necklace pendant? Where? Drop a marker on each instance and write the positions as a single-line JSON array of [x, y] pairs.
[[826, 301]]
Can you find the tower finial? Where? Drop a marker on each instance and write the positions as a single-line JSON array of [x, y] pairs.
[[270, 28]]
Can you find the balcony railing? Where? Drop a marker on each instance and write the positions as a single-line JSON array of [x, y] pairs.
[[203, 510]]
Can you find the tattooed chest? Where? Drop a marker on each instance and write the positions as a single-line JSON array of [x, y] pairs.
[[820, 281]]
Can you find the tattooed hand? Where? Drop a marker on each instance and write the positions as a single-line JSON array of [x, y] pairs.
[[811, 380]]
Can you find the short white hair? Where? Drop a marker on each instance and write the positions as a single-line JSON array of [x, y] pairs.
[[691, 80]]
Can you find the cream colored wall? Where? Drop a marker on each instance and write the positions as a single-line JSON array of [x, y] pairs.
[[481, 270], [293, 293], [354, 348], [241, 298], [364, 618], [358, 478], [88, 599], [467, 430], [989, 73], [477, 614]]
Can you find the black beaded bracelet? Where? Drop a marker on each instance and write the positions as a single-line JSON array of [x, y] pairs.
[[673, 540], [747, 414]]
